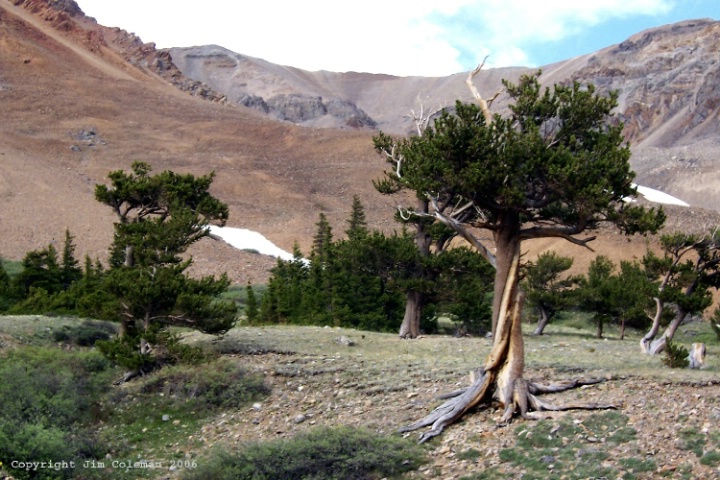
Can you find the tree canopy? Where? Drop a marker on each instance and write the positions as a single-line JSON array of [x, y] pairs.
[[159, 217]]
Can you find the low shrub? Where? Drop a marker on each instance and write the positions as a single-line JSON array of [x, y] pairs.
[[676, 356], [320, 454], [86, 333], [221, 384], [50, 398]]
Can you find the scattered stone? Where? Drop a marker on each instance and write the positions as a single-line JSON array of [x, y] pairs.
[[299, 418], [343, 340]]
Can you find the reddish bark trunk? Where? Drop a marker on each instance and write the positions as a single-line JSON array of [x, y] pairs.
[[501, 377], [410, 327]]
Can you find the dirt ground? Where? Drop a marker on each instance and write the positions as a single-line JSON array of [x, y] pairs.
[[384, 383]]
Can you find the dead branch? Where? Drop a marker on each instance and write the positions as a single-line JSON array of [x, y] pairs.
[[696, 358], [484, 105], [421, 119], [463, 232]]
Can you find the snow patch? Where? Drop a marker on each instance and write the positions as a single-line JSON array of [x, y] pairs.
[[244, 239], [657, 196]]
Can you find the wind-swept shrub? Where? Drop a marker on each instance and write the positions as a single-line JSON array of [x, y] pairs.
[[341, 453]]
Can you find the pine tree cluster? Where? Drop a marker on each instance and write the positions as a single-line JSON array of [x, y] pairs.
[[362, 282]]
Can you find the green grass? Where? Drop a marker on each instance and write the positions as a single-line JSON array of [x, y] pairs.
[[577, 449], [12, 267], [380, 368], [154, 413]]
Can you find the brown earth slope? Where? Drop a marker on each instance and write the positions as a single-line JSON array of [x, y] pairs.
[[667, 79], [74, 110], [79, 100]]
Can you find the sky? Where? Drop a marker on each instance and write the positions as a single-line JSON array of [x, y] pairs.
[[432, 38]]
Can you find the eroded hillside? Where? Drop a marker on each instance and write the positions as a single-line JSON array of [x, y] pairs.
[[79, 100]]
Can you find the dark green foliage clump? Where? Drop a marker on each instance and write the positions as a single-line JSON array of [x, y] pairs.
[[621, 297], [341, 453], [676, 356], [169, 350], [50, 399], [547, 289], [692, 440], [363, 281], [711, 459], [86, 333]]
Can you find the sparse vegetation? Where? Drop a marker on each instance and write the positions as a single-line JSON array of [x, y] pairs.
[[339, 453]]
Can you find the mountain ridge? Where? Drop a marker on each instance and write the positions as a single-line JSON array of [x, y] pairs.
[[80, 100], [667, 79]]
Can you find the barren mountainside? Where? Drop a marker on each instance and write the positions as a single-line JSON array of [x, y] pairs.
[[668, 80], [79, 100]]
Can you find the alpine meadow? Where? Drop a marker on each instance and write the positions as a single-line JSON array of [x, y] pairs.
[[503, 273]]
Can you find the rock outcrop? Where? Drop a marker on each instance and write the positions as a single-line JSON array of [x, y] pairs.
[[66, 16]]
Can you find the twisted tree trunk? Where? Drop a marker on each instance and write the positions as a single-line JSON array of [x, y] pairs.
[[410, 327], [542, 321], [501, 377]]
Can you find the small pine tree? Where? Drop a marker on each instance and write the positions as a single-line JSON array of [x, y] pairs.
[[546, 290], [41, 270], [6, 299], [251, 306], [676, 356], [69, 266], [357, 224]]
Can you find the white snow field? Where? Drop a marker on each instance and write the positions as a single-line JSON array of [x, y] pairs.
[[657, 196], [244, 239]]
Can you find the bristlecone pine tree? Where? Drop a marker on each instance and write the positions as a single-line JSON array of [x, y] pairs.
[[546, 291], [556, 166], [159, 217], [689, 267]]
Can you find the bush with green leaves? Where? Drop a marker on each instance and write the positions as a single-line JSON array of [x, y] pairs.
[[341, 453], [49, 399], [167, 349]]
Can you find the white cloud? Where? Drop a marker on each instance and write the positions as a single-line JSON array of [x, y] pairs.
[[422, 37], [506, 28]]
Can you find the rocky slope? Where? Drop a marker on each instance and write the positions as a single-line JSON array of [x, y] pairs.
[[668, 80], [79, 100]]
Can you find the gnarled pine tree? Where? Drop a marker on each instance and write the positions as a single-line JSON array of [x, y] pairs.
[[689, 267], [556, 166], [158, 218]]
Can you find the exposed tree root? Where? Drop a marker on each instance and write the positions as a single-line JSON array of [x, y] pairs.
[[524, 398], [500, 379], [453, 409], [129, 376]]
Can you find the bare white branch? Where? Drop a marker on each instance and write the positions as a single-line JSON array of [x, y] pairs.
[[463, 232], [422, 119], [484, 104]]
